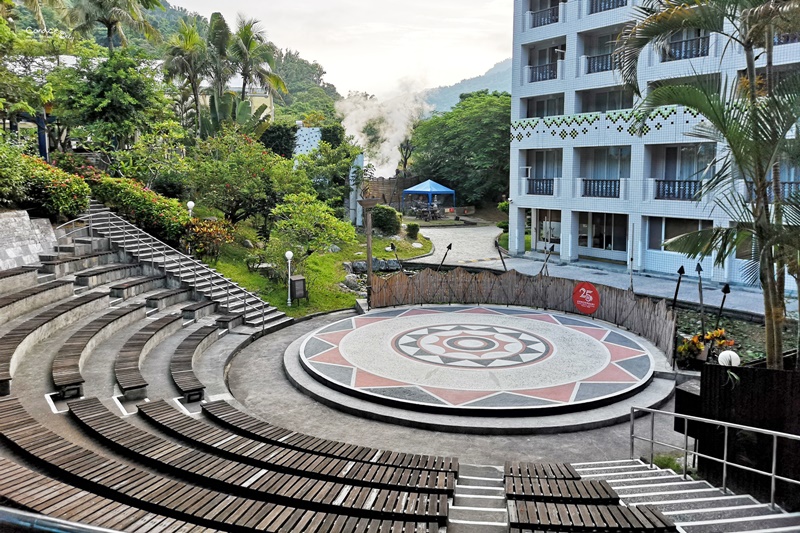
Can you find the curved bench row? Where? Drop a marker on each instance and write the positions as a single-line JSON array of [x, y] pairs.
[[126, 364], [283, 459], [35, 329], [253, 481], [105, 274], [15, 279], [244, 424], [180, 366], [21, 302], [137, 286]]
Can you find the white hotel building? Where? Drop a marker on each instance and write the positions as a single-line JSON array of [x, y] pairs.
[[581, 178]]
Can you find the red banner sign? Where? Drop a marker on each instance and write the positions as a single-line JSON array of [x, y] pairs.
[[586, 298]]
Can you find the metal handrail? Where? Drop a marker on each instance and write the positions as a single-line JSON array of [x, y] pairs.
[[37, 522], [774, 477], [117, 222]]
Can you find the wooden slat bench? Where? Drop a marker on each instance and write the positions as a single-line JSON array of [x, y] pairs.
[[31, 491], [199, 309], [107, 274], [541, 516], [69, 265], [560, 490], [540, 470], [128, 360], [244, 424], [177, 499], [281, 459], [68, 361], [180, 364], [26, 300], [169, 297], [16, 279], [17, 341], [133, 287], [253, 481]]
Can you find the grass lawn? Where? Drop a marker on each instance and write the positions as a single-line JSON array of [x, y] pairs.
[[503, 238]]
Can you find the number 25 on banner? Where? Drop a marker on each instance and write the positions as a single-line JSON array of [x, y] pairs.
[[586, 298]]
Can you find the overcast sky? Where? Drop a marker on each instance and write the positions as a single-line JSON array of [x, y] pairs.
[[382, 46]]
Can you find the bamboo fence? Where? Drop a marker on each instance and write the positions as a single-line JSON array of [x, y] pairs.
[[650, 319]]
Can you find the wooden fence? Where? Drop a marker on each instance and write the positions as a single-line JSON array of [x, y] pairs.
[[652, 320]]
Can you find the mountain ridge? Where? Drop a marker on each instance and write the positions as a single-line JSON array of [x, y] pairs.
[[497, 78]]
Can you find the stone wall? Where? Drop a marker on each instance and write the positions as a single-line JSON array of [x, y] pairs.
[[23, 239]]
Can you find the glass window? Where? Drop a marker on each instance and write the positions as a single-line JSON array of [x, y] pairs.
[[611, 163], [545, 164], [662, 229], [549, 226], [619, 233], [583, 229], [655, 231]]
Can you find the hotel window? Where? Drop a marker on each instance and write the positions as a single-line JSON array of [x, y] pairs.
[[661, 229]]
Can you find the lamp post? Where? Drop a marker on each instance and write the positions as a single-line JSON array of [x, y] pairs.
[[190, 205], [681, 272], [699, 270], [726, 290], [368, 204], [289, 256]]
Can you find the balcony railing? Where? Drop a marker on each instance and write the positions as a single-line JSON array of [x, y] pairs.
[[600, 188], [677, 190], [787, 38], [540, 186], [601, 63], [687, 49], [597, 6], [548, 71], [543, 17], [788, 188]]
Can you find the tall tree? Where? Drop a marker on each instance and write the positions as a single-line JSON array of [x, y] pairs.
[[187, 59], [114, 15], [35, 7], [254, 57], [219, 65]]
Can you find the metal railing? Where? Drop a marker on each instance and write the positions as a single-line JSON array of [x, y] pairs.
[[786, 38], [678, 190], [548, 71], [600, 63], [600, 188], [788, 188], [540, 186], [686, 49], [772, 474], [144, 242], [542, 17], [14, 518], [597, 6]]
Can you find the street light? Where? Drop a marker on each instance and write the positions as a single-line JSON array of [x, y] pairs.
[[190, 205], [289, 256], [368, 204]]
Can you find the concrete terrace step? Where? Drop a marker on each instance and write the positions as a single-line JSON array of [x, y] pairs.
[[657, 495], [729, 525], [704, 503], [479, 502], [717, 513], [664, 476], [627, 490]]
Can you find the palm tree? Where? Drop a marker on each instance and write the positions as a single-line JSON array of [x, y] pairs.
[[219, 65], [254, 57], [187, 58], [751, 124], [35, 7], [84, 15]]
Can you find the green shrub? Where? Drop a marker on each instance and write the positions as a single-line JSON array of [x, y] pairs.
[[58, 193], [503, 206], [386, 220], [12, 175], [412, 230], [503, 225], [206, 237]]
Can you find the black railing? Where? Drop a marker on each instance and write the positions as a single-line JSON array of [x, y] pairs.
[[597, 6], [543, 17], [687, 49], [787, 38], [677, 190], [601, 63], [540, 186], [548, 71], [600, 188], [788, 188]]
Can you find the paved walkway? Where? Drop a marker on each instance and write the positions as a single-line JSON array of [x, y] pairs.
[[474, 247]]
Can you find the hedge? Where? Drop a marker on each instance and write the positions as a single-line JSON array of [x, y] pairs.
[[58, 193]]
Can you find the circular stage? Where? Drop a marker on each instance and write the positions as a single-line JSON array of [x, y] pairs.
[[479, 361]]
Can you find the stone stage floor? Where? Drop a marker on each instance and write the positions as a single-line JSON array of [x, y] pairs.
[[480, 361]]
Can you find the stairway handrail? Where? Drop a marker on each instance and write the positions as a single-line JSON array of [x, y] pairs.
[[774, 477]]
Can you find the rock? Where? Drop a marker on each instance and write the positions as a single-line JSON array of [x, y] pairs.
[[247, 243], [359, 253], [378, 265], [348, 267], [351, 281], [388, 249], [260, 245], [210, 219], [393, 265], [395, 238], [359, 267], [417, 245], [334, 249]]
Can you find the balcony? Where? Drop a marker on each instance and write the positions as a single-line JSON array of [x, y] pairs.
[[540, 186], [678, 190], [601, 63], [548, 71], [600, 188], [788, 188], [688, 49], [598, 6], [787, 38], [543, 17]]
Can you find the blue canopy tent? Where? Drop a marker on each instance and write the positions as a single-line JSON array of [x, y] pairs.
[[428, 188]]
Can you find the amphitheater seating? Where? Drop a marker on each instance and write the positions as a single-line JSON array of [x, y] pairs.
[[539, 516], [15, 279], [169, 297], [67, 363], [244, 424], [199, 309], [23, 301], [106, 274], [540, 470], [34, 329], [180, 366], [282, 459], [297, 491], [136, 286], [177, 499], [559, 490], [126, 365], [69, 265]]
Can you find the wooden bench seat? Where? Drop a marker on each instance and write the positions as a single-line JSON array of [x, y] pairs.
[[244, 424], [105, 274], [541, 516], [253, 481], [136, 286], [169, 297], [560, 490], [128, 360], [16, 279], [26, 300], [14, 343], [173, 498], [199, 309], [180, 364], [31, 491], [67, 363], [540, 470], [281, 459]]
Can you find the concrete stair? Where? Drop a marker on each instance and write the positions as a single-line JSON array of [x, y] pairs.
[[695, 506], [479, 503]]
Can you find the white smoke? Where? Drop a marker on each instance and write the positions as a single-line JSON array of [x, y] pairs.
[[394, 117]]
